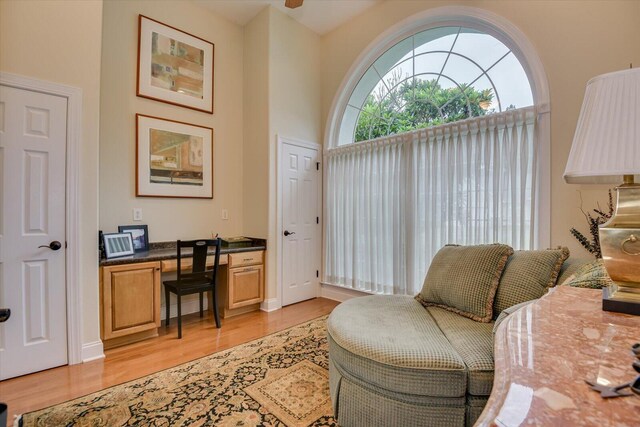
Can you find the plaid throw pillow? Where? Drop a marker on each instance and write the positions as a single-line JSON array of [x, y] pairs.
[[592, 275], [527, 276], [464, 279]]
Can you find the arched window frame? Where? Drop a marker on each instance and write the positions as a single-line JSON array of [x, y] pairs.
[[504, 31]]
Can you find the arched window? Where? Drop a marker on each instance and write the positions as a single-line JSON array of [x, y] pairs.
[[439, 135], [436, 76]]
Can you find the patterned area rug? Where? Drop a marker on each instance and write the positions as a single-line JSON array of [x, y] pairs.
[[278, 380]]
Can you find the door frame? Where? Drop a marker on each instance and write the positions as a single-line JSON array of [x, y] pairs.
[[72, 205], [281, 141]]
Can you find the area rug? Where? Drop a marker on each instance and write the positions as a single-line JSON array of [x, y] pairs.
[[279, 380]]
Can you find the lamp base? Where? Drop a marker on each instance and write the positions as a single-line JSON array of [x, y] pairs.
[[621, 300]]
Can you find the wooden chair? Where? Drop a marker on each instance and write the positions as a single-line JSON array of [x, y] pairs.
[[199, 280]]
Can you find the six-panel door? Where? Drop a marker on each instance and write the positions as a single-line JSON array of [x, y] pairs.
[[33, 137]]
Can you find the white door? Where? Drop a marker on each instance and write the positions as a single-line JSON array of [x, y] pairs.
[[300, 223], [33, 134]]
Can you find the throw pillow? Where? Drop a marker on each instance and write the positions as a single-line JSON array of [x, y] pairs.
[[464, 279], [527, 276], [591, 275]]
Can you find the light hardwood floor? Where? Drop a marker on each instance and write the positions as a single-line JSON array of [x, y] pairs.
[[199, 338]]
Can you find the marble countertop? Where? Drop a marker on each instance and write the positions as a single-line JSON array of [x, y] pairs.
[[167, 250], [545, 351]]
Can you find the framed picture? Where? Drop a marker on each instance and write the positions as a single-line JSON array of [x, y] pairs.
[[173, 159], [139, 234], [174, 66], [118, 244]]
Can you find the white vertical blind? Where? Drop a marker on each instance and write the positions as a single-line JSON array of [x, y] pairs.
[[393, 202]]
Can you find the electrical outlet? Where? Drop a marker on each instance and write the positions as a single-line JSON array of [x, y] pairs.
[[225, 214], [137, 214]]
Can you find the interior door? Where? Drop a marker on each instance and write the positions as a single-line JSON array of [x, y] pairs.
[[33, 134], [300, 223]]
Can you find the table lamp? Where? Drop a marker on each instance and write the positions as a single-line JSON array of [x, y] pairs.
[[606, 150]]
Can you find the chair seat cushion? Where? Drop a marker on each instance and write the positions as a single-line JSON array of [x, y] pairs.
[[189, 283], [473, 341], [392, 343]]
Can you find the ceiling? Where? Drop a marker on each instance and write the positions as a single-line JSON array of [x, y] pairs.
[[320, 16]]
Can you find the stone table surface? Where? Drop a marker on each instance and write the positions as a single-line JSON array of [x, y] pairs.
[[167, 250], [545, 351]]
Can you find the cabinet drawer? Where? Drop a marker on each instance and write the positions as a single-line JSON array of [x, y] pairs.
[[245, 258], [170, 265]]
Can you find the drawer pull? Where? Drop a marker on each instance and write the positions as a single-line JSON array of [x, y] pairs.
[[249, 269], [247, 259]]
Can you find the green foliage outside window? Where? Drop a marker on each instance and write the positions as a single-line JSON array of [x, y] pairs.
[[416, 104]]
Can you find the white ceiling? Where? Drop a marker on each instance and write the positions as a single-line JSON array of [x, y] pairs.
[[320, 16]]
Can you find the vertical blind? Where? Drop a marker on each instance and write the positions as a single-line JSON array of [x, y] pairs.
[[393, 202]]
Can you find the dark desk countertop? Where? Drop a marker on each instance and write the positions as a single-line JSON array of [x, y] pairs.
[[167, 250]]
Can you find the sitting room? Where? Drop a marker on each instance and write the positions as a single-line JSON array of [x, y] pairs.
[[319, 213]]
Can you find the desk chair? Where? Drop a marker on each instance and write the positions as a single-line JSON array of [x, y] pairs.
[[200, 280]]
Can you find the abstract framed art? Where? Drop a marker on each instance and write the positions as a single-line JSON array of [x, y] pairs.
[[173, 159], [173, 66]]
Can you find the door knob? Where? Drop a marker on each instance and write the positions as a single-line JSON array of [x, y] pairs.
[[5, 313], [54, 246], [287, 233]]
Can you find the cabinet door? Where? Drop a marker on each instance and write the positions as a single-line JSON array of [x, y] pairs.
[[245, 286], [131, 299]]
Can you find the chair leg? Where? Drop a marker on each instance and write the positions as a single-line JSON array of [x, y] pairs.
[[201, 304], [167, 299], [215, 306], [179, 316]]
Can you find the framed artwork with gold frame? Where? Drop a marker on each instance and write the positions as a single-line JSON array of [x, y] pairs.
[[173, 66], [173, 159]]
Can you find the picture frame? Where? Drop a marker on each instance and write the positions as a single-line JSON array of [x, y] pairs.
[[174, 66], [139, 235], [117, 244], [173, 159]]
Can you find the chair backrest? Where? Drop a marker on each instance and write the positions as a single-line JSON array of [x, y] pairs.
[[200, 249]]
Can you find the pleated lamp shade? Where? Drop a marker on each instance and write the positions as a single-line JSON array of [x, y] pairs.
[[606, 144]]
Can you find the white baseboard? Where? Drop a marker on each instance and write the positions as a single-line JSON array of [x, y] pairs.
[[338, 293], [92, 351], [271, 304]]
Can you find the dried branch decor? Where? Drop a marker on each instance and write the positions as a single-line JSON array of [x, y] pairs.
[[594, 220]]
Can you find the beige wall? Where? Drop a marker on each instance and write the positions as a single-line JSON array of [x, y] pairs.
[[282, 97], [294, 79], [169, 219], [59, 41], [256, 126], [575, 40], [294, 108]]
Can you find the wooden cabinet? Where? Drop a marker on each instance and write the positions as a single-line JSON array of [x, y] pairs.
[[130, 309], [130, 294], [241, 285], [245, 286]]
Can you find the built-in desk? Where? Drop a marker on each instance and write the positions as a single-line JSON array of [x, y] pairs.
[[130, 288], [545, 351]]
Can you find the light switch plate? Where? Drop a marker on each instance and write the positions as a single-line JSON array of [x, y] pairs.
[[225, 214], [137, 214]]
